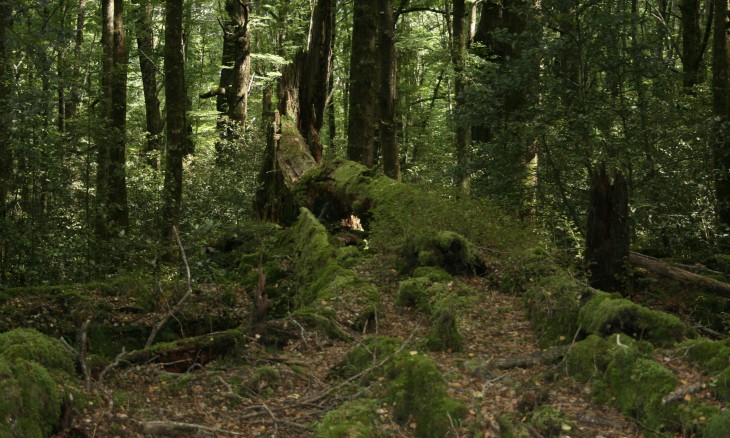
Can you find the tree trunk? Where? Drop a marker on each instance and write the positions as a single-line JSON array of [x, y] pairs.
[[607, 234], [176, 127], [721, 112], [463, 131], [690, 41], [75, 98], [363, 94], [232, 101], [118, 209], [148, 69], [387, 125], [6, 156], [676, 273]]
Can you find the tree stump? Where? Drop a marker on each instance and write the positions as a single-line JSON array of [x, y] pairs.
[[607, 235]]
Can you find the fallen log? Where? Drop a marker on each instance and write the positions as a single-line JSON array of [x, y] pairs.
[[675, 273]]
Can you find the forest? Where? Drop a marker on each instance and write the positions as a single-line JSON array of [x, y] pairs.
[[365, 218]]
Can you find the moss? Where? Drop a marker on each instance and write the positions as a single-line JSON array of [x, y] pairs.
[[414, 293], [712, 356], [354, 419], [418, 391], [448, 250], [638, 385], [444, 334], [717, 426], [526, 267], [347, 255], [722, 385], [321, 320], [552, 305], [588, 358], [263, 379], [693, 417], [602, 316], [30, 405], [434, 274], [364, 355], [32, 345], [548, 421]]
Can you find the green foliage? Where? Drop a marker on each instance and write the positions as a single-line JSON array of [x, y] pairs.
[[353, 419], [31, 345], [434, 274], [364, 355], [717, 426]]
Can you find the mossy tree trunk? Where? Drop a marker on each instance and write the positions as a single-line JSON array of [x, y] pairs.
[[607, 235]]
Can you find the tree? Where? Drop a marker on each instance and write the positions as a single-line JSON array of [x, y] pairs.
[[363, 92], [721, 112], [175, 108], [148, 68], [387, 121], [6, 156], [463, 130]]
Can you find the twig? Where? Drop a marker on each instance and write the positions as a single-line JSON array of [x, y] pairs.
[[301, 332], [273, 418], [83, 345], [111, 366], [187, 295]]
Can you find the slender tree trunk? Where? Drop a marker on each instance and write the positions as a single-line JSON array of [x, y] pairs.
[[690, 41], [363, 68], [463, 131], [721, 112], [75, 98], [118, 210], [175, 105], [6, 156], [148, 69], [387, 125], [103, 142]]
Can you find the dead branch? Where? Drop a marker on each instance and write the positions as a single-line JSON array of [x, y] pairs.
[[675, 273], [260, 300], [680, 393], [213, 93], [174, 428], [187, 295], [532, 359], [83, 346]]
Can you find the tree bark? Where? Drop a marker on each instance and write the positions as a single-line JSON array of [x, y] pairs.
[[463, 131], [607, 234], [118, 209], [676, 273], [233, 103], [690, 41], [6, 155], [74, 99], [387, 121], [721, 112], [148, 69], [176, 127], [363, 94], [103, 143]]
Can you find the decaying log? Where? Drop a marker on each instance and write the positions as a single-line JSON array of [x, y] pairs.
[[531, 359], [671, 271]]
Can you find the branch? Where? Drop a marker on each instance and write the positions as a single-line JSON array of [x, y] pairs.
[[175, 428], [83, 344], [213, 93], [187, 295]]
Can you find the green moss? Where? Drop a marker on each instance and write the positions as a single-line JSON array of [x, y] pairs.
[[693, 416], [32, 345], [370, 351], [434, 274], [603, 316], [322, 320], [418, 391], [526, 267], [347, 255], [263, 379], [449, 251], [354, 419], [712, 356], [30, 405], [717, 426], [548, 421], [552, 305], [722, 385], [444, 334], [414, 293], [588, 358]]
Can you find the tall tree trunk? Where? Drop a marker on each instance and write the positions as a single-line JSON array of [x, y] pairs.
[[103, 142], [690, 41], [6, 156], [232, 93], [73, 102], [147, 61], [721, 112], [463, 131], [363, 93], [118, 210], [387, 126], [175, 104]]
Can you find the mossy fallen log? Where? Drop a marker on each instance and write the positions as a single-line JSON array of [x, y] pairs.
[[679, 274]]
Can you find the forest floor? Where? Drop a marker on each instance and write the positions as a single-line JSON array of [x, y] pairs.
[[218, 399]]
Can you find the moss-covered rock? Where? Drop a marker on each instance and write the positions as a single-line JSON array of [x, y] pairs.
[[364, 355], [434, 274], [449, 251], [417, 390], [603, 315], [588, 358], [414, 292], [718, 426], [444, 334], [354, 419], [30, 405], [32, 345]]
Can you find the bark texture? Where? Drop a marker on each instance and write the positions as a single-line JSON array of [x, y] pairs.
[[607, 235], [176, 127], [363, 93], [463, 131], [721, 112], [148, 68], [6, 156], [387, 122]]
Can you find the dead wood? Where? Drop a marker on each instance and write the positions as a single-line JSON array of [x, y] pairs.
[[528, 360], [174, 428], [676, 273], [680, 393]]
